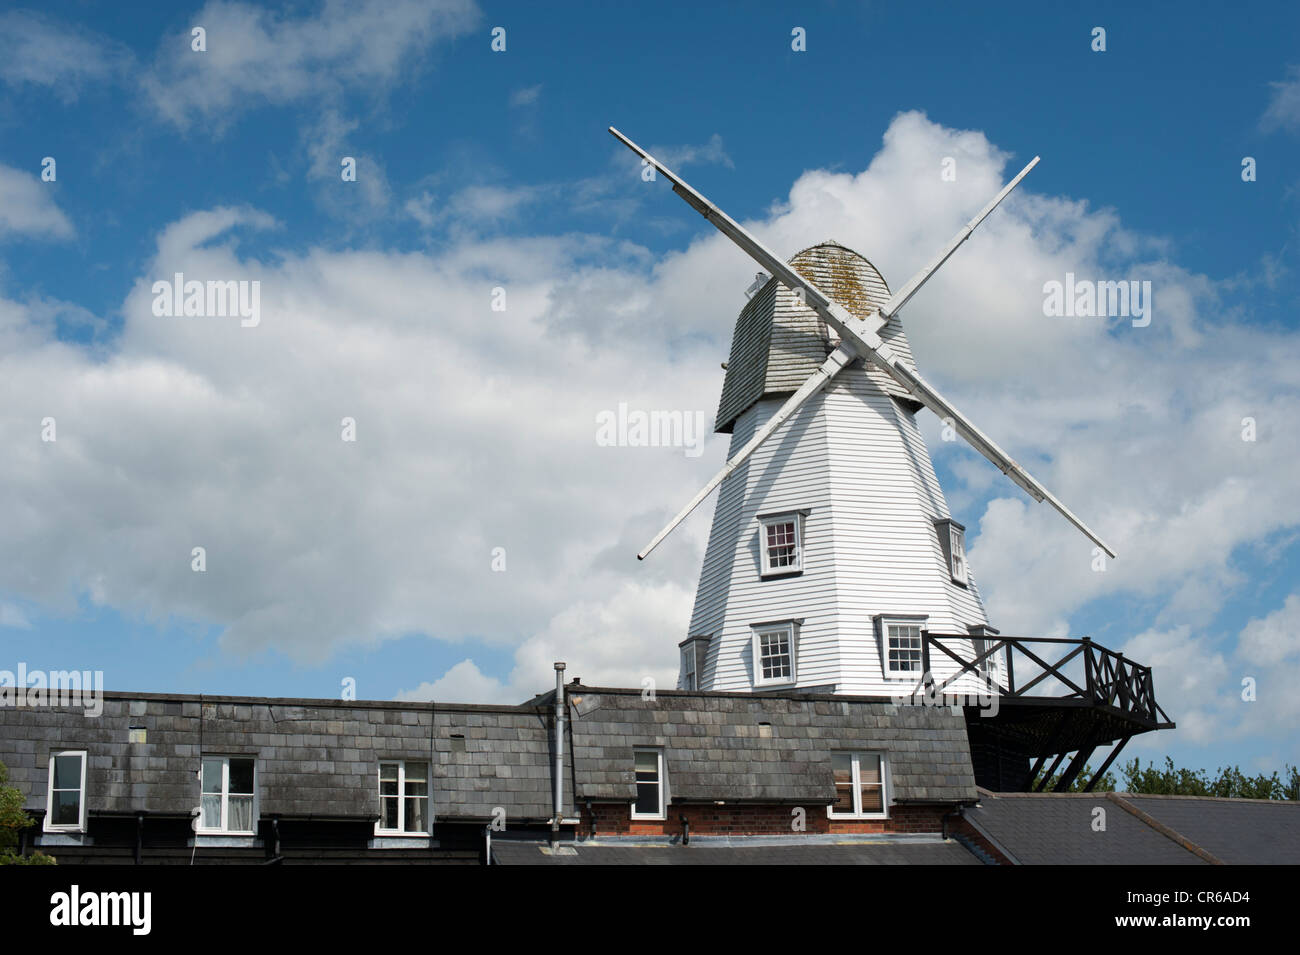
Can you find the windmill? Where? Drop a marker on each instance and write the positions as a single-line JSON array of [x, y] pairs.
[[832, 548]]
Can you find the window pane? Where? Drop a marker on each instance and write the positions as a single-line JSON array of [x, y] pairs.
[[67, 808], [388, 787], [904, 646], [388, 812], [782, 546], [647, 798], [415, 815], [775, 658], [240, 811], [417, 779], [212, 775], [647, 765], [241, 776], [873, 799], [211, 817], [869, 768], [67, 772], [842, 768]]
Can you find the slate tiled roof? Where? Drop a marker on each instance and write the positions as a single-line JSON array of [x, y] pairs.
[[1235, 831], [1057, 829], [934, 853], [713, 748], [314, 757], [318, 758], [779, 341]]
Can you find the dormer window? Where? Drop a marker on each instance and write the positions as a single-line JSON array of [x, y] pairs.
[[781, 543], [775, 653], [952, 541], [901, 646], [693, 657]]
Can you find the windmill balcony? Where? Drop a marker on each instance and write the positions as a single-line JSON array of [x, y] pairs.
[[1058, 696]]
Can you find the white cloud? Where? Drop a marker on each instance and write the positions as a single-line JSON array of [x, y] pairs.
[[526, 96], [12, 616], [26, 207], [257, 56], [476, 428], [622, 638], [1270, 640], [1283, 110], [1203, 686], [330, 140], [36, 51], [710, 153]]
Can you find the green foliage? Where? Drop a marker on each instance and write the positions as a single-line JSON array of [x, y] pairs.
[[1230, 781], [1104, 785], [12, 821]]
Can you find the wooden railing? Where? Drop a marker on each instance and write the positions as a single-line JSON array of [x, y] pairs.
[[1109, 678]]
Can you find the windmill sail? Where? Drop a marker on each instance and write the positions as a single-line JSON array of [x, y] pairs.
[[863, 335]]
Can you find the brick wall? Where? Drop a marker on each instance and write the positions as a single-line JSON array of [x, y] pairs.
[[707, 820]]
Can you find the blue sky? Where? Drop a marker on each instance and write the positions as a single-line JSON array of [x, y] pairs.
[[480, 169]]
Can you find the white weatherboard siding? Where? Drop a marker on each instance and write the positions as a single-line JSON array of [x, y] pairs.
[[853, 459]]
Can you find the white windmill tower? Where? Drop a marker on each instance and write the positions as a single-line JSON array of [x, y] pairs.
[[832, 548]]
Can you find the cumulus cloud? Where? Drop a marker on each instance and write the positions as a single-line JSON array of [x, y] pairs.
[[38, 52], [476, 428], [257, 56], [623, 638], [26, 207]]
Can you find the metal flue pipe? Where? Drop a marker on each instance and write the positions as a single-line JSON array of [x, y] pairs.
[[559, 753]]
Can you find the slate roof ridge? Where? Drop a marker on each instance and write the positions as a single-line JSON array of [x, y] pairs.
[[570, 690], [437, 705], [1167, 831], [1234, 800]]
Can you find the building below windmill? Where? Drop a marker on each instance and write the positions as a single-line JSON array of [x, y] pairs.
[[676, 777]]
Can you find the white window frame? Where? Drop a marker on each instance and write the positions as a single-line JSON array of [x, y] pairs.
[[765, 566], [988, 667], [791, 635], [857, 812], [690, 675], [224, 829], [402, 797], [890, 672], [80, 825], [957, 554], [662, 812]]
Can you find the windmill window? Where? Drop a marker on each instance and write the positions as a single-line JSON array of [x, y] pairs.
[[774, 654], [781, 543], [688, 667], [952, 541], [403, 798], [957, 537], [902, 647], [649, 784], [65, 809], [860, 782]]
